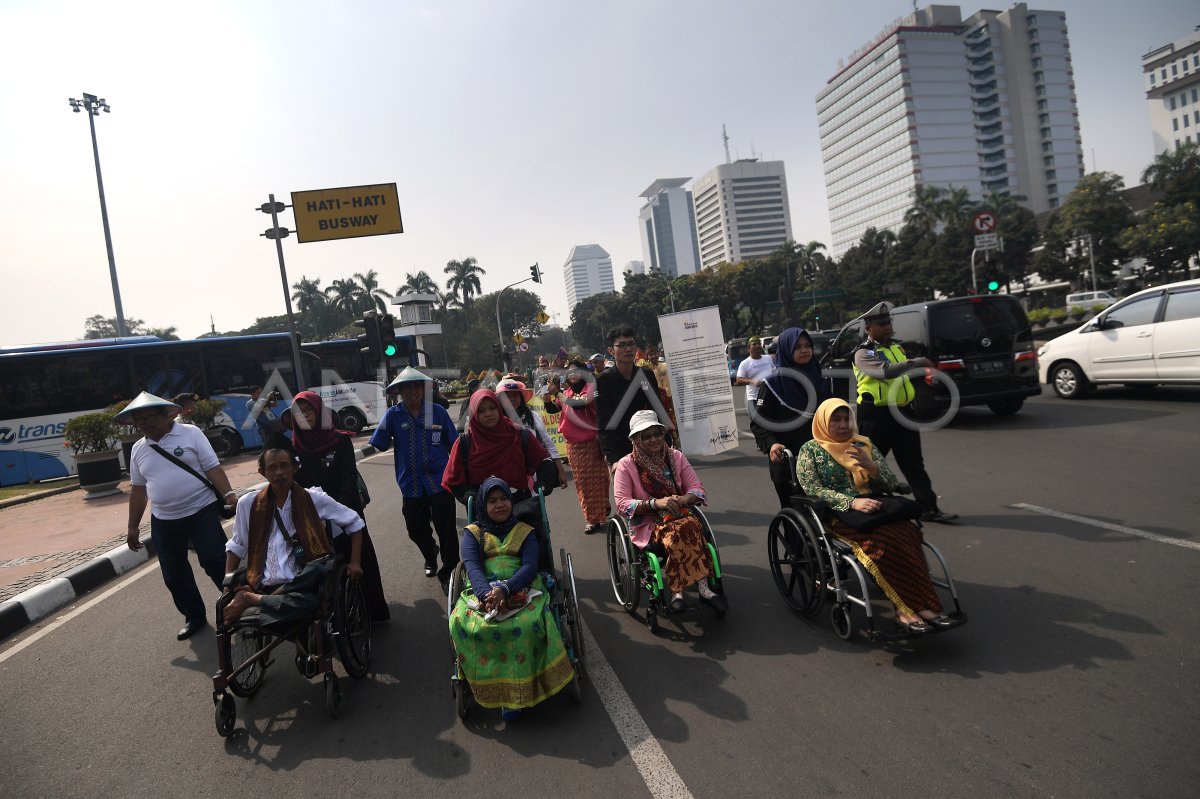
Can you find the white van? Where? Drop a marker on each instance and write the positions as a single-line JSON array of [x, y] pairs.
[[1145, 339], [1086, 299]]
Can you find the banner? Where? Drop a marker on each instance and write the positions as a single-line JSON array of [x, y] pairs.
[[551, 421], [695, 350]]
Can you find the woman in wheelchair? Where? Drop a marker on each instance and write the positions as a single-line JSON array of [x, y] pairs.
[[847, 472], [654, 486], [493, 446], [280, 532], [506, 639]]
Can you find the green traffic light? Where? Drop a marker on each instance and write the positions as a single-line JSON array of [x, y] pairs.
[[993, 285], [389, 350]]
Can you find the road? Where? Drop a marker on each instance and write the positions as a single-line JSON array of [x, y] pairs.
[[1073, 678]]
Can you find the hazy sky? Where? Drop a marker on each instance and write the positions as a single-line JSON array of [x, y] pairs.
[[513, 129]]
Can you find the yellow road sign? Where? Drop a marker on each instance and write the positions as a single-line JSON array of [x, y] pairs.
[[518, 338], [346, 213], [542, 318]]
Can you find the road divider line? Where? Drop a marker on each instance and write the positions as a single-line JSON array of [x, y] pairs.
[[648, 756], [1116, 528]]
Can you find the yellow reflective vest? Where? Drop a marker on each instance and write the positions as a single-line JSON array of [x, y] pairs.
[[885, 392]]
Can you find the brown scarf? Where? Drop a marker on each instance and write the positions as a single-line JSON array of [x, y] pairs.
[[656, 472], [310, 530]]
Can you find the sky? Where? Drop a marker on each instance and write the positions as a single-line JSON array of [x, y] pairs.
[[514, 130]]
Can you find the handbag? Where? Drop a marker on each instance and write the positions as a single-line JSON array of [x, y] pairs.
[[894, 509], [226, 511], [364, 496]]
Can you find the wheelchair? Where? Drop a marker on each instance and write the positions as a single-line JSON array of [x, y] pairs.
[[810, 565], [342, 623], [560, 585], [633, 570]]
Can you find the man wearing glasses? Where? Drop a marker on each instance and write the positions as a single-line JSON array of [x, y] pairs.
[[621, 392]]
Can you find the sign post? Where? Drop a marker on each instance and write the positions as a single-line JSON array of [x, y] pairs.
[[986, 239]]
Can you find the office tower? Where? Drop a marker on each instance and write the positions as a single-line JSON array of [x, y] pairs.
[[667, 225], [588, 271], [986, 104], [635, 267], [1172, 74], [741, 211]]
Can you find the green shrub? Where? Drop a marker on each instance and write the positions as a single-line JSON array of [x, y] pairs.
[[1038, 316], [91, 432], [206, 413]]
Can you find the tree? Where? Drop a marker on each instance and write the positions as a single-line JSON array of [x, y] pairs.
[[100, 326], [165, 333], [371, 295], [1175, 174], [1097, 207], [1167, 239], [346, 296], [464, 279], [420, 283], [926, 209]]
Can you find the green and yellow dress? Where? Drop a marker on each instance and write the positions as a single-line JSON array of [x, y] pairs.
[[517, 662]]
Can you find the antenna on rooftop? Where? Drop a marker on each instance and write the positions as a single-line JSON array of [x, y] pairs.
[[725, 139]]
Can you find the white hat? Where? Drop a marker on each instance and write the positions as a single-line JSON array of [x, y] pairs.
[[142, 402], [409, 375], [642, 420]]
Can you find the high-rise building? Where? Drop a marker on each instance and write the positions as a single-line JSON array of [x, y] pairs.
[[588, 271], [635, 267], [741, 211], [1172, 74], [667, 224], [985, 104]]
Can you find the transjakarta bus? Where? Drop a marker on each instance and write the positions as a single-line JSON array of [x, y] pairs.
[[41, 389]]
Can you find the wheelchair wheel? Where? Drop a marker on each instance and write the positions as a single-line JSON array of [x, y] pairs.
[[462, 696], [840, 616], [652, 617], [623, 566], [226, 715], [241, 646], [333, 695], [571, 609], [352, 623], [797, 562]]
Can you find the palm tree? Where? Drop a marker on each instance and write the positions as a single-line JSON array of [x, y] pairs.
[[464, 279], [307, 294], [809, 259], [955, 207], [346, 296], [371, 295], [420, 283], [924, 213], [1176, 174]]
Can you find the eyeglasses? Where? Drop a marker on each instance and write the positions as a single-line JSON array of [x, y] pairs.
[[625, 345], [651, 435]]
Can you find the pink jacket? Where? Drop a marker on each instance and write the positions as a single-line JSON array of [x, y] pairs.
[[627, 488]]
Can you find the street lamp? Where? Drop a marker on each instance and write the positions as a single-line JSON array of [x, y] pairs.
[[93, 105]]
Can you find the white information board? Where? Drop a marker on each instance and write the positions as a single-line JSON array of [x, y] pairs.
[[700, 390]]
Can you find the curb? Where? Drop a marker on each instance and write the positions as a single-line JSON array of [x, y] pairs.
[[50, 492], [37, 603]]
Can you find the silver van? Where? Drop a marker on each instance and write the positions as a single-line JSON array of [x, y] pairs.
[[1086, 299]]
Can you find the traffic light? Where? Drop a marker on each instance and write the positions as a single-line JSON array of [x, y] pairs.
[[535, 273], [369, 338], [992, 281], [387, 336]]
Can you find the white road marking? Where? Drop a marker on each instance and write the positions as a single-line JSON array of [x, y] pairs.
[[136, 574], [648, 756], [1116, 528]]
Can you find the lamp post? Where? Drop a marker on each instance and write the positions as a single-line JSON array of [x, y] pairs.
[[93, 105], [499, 330]]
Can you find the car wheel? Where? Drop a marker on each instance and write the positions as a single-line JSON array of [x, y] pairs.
[[1007, 406], [352, 419], [1068, 380]]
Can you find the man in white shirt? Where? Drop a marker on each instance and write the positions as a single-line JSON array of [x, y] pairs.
[[280, 532], [752, 371], [184, 507]]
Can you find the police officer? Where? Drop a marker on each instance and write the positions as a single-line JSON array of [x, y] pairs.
[[884, 391]]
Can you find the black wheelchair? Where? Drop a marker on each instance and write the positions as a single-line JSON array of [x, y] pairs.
[[810, 565], [633, 570], [342, 623], [563, 599]]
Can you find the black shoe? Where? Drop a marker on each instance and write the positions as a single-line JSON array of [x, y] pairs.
[[717, 602], [942, 622], [677, 605], [938, 516], [190, 628], [431, 570]]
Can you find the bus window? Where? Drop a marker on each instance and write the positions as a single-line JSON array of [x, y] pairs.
[[149, 366], [183, 366], [87, 380], [238, 365]]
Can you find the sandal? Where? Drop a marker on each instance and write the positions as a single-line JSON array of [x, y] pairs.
[[918, 627], [942, 622]]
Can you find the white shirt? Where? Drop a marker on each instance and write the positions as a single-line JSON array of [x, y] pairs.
[[754, 369], [173, 492], [281, 564]]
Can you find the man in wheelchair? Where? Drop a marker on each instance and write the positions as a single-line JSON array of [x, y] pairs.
[[281, 534]]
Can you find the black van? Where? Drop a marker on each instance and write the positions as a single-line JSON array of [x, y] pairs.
[[984, 344]]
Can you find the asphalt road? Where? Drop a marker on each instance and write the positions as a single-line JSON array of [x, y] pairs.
[[1074, 676]]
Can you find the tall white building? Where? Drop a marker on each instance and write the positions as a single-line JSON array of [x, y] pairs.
[[741, 211], [986, 104], [1172, 75], [635, 267], [667, 225], [588, 271]]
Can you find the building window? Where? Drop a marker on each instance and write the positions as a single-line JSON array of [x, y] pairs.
[[1174, 70], [1047, 147], [1174, 124], [1186, 121], [1045, 133], [1044, 118], [1152, 79], [1196, 117], [1047, 160], [1052, 188], [1164, 73], [1183, 98], [1193, 95], [1051, 175], [1053, 202], [1172, 101], [1035, 48], [1043, 105], [1037, 62], [1038, 77]]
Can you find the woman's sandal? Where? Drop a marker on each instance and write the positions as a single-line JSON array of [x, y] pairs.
[[917, 627], [942, 622]]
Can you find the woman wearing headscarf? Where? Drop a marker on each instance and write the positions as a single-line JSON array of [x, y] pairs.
[[505, 637], [327, 462], [847, 472], [514, 400], [782, 415], [492, 446], [579, 427], [654, 485]]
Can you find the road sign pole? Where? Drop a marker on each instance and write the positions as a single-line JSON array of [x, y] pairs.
[[287, 297], [974, 285]]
